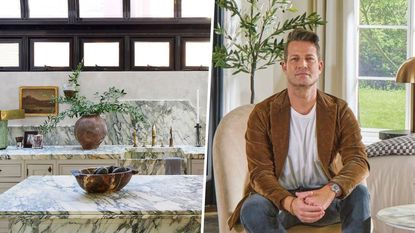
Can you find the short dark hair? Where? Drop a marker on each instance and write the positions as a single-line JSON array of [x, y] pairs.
[[300, 34]]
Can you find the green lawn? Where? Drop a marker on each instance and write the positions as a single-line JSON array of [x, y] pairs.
[[382, 109]]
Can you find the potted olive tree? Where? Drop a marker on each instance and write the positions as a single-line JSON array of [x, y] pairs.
[[256, 43], [90, 129]]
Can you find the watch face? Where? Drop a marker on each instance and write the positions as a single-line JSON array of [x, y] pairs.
[[335, 188]]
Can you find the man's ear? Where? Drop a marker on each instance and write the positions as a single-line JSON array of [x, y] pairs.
[[321, 65], [283, 65]]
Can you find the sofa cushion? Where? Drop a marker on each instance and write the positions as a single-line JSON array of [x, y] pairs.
[[404, 145]]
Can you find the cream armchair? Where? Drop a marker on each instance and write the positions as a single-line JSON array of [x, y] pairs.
[[231, 170]]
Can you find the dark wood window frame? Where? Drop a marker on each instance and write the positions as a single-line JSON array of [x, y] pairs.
[[26, 29], [98, 40], [49, 68], [170, 40], [13, 41], [183, 53]]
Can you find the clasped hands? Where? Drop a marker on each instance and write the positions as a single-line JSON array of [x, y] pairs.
[[310, 206]]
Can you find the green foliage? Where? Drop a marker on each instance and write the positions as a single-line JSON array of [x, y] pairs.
[[108, 102], [382, 51], [381, 85], [73, 78], [256, 43], [383, 12]]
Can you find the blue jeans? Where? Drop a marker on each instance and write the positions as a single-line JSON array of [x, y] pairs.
[[258, 214]]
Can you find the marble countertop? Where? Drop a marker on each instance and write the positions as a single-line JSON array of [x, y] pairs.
[[103, 152], [402, 216], [143, 197]]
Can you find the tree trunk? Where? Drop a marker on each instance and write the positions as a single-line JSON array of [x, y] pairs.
[[251, 77]]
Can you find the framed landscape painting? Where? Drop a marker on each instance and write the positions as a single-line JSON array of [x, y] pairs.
[[37, 100]]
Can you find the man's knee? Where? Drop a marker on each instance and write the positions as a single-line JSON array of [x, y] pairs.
[[255, 206], [360, 193]]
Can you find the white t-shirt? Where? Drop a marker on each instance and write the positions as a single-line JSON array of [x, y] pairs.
[[302, 167]]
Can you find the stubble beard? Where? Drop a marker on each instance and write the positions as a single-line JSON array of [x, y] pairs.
[[302, 86]]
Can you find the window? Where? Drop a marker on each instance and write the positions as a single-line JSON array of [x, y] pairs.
[[101, 54], [100, 9], [151, 8], [383, 31], [153, 54], [199, 8], [49, 35], [48, 8], [195, 51], [10, 9], [51, 54], [10, 50]]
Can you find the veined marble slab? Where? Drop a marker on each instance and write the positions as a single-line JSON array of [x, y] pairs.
[[402, 216], [58, 204], [193, 151], [178, 114], [102, 152], [63, 152]]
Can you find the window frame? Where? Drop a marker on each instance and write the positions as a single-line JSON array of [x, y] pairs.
[[32, 66], [352, 86], [126, 28], [98, 40], [183, 53], [170, 40], [21, 60]]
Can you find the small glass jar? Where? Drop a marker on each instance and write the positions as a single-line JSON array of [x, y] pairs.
[[19, 142]]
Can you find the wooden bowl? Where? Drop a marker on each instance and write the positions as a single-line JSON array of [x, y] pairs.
[[101, 183]]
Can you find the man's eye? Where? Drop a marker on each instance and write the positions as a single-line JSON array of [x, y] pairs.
[[294, 59]]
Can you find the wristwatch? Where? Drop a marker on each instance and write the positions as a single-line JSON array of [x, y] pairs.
[[335, 188]]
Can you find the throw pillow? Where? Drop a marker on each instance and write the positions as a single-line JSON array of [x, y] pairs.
[[404, 145]]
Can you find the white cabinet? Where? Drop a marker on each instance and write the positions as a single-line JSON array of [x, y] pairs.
[[196, 166], [11, 171], [39, 169], [4, 226], [66, 166]]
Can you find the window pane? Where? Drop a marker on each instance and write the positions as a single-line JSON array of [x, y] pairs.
[[54, 54], [10, 9], [152, 54], [152, 8], [198, 54], [102, 54], [374, 12], [48, 8], [199, 8], [9, 54], [382, 51], [100, 9], [381, 104]]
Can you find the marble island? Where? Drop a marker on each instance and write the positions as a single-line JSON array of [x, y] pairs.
[[147, 160], [147, 204]]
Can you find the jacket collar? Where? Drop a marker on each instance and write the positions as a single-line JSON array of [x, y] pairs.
[[280, 115]]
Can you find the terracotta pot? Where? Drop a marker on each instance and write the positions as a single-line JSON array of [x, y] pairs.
[[90, 131]]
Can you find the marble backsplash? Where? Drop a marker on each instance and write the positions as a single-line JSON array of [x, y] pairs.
[[178, 114]]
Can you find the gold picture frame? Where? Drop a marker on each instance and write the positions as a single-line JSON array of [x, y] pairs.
[[36, 100]]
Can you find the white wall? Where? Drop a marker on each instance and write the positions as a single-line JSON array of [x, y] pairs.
[[138, 85], [267, 82]]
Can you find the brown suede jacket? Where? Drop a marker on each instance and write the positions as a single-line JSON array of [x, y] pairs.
[[267, 135]]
